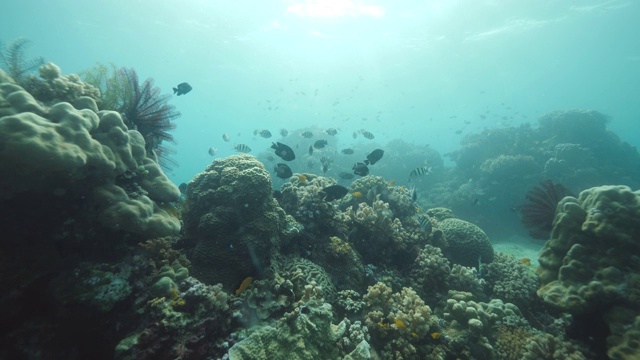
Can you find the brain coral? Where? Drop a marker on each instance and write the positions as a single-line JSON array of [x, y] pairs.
[[467, 243], [233, 220]]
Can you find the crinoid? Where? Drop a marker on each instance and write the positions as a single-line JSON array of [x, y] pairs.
[[147, 111], [537, 214], [13, 60]]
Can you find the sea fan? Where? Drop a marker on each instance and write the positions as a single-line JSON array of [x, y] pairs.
[[538, 213], [14, 62], [147, 111]]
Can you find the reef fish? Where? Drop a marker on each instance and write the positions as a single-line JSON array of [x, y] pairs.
[[346, 175], [425, 223], [242, 148], [319, 144], [263, 133], [283, 151], [245, 284], [331, 131], [423, 170], [374, 157], [347, 151], [367, 134], [213, 151], [183, 188], [283, 171], [226, 137], [307, 134], [182, 89], [310, 149], [284, 132], [360, 169], [334, 192]]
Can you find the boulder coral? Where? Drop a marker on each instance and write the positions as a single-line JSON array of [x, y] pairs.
[[233, 221], [61, 151], [590, 265], [467, 245]]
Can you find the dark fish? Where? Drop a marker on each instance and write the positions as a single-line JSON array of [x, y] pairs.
[[331, 131], [367, 134], [310, 150], [225, 137], [307, 134], [263, 133], [283, 151], [355, 135], [374, 157], [319, 144], [325, 167], [425, 223], [334, 192], [283, 171], [284, 132], [423, 170], [414, 194], [242, 148], [347, 151], [182, 89], [346, 175], [183, 188], [360, 169]]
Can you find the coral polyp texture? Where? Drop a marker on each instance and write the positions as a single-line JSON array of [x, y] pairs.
[[590, 265]]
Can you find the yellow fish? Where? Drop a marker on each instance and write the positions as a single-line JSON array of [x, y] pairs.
[[245, 284], [526, 261], [400, 325], [435, 335], [392, 182], [357, 194], [383, 325], [302, 178]]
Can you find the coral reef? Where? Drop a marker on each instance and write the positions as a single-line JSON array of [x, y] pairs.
[[467, 244], [589, 267], [511, 280], [233, 222]]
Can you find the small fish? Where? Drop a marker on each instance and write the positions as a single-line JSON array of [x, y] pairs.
[[525, 261], [425, 223], [310, 149], [182, 89], [346, 175], [307, 134], [400, 324], [284, 132], [302, 178], [263, 133], [360, 169], [435, 335], [331, 131], [183, 188], [356, 194], [242, 148], [283, 171], [334, 192], [419, 171], [213, 151], [245, 284], [414, 194], [374, 157], [367, 134], [226, 137], [283, 151], [347, 151], [319, 144], [392, 182], [325, 167]]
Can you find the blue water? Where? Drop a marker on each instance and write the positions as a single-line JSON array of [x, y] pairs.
[[421, 71]]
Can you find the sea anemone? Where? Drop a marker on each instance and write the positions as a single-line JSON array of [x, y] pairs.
[[537, 214], [147, 111]]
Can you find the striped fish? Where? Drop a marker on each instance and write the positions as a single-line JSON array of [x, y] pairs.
[[367, 134], [425, 223], [419, 171], [242, 148]]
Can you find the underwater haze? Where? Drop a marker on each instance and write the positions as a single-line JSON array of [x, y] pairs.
[[320, 179], [420, 71]]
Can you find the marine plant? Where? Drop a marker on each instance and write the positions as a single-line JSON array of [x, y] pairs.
[[13, 60], [114, 87], [537, 215]]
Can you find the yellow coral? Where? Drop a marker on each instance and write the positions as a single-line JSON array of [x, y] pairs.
[[338, 246]]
